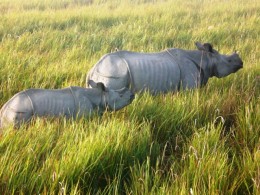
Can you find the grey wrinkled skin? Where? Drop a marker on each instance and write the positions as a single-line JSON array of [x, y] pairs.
[[71, 102], [169, 70]]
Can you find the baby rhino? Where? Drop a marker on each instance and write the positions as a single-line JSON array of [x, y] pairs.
[[70, 102]]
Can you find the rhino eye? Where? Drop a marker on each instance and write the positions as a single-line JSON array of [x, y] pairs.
[[229, 60]]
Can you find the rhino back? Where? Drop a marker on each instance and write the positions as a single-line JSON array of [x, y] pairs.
[[52, 102], [156, 72]]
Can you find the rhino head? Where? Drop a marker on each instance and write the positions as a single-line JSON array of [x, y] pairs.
[[111, 99], [220, 65]]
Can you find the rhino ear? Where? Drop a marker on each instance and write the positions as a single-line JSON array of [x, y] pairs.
[[101, 86], [208, 47], [92, 83], [205, 47], [199, 46]]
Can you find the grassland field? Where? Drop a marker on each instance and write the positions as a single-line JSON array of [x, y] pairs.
[[201, 141]]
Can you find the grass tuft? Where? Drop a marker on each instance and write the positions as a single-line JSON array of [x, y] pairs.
[[201, 141]]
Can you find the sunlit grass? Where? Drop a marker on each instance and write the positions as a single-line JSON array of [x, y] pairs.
[[202, 141]]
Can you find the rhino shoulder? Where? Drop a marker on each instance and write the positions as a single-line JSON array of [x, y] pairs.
[[85, 101]]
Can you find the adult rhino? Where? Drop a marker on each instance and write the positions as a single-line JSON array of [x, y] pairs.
[[70, 102], [169, 70]]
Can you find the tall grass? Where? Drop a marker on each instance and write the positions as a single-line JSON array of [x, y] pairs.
[[202, 141]]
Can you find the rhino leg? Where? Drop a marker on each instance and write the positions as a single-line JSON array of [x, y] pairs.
[[16, 111]]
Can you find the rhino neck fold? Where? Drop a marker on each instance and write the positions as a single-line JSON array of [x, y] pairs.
[[202, 62], [92, 95], [201, 76]]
